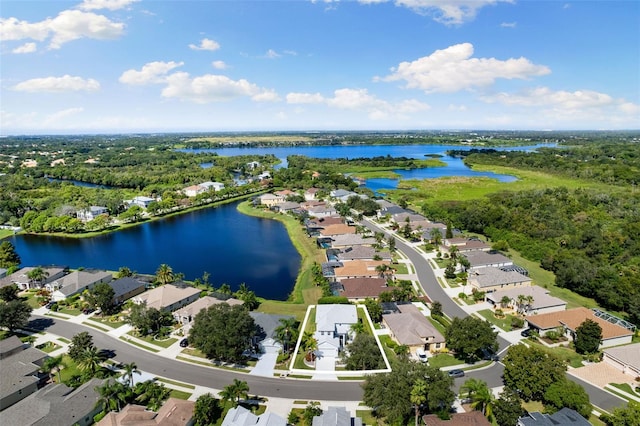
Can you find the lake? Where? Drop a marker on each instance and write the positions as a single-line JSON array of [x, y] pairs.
[[232, 247]]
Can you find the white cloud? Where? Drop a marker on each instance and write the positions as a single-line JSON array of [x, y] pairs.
[[25, 48], [219, 65], [152, 72], [62, 84], [206, 44], [67, 26], [448, 12], [629, 108], [453, 69], [54, 118], [213, 88], [305, 98], [508, 24], [105, 4], [272, 54], [543, 96]]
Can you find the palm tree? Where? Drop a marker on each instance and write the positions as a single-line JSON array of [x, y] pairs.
[[504, 302], [90, 360], [235, 391], [129, 370], [482, 400], [37, 275], [453, 253], [54, 363], [470, 387], [225, 289], [151, 394], [383, 270], [529, 300], [309, 345], [124, 272], [113, 395], [357, 327], [418, 396], [287, 332], [164, 274], [521, 298], [436, 236]]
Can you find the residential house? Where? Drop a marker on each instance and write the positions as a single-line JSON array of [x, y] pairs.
[[215, 186], [404, 217], [142, 201], [270, 200], [193, 190], [472, 418], [125, 288], [168, 297], [569, 320], [336, 416], [390, 210], [540, 301], [339, 229], [362, 253], [359, 289], [490, 279], [287, 206], [409, 326], [333, 328], [22, 280], [341, 194], [481, 259], [265, 338], [187, 314], [351, 240], [76, 282], [56, 404], [21, 375], [253, 165], [174, 412], [240, 416], [264, 175], [285, 193], [624, 358], [311, 193], [322, 211], [563, 417], [310, 204], [91, 213], [465, 245], [362, 269]]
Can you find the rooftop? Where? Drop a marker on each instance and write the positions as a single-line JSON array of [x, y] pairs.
[[481, 258], [541, 296], [411, 327], [166, 295], [572, 318], [490, 277], [628, 354], [359, 288]]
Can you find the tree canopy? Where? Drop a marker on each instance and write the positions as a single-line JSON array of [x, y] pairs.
[[565, 393], [588, 337], [530, 371], [14, 314], [8, 255], [364, 353], [101, 295], [223, 332], [468, 336]]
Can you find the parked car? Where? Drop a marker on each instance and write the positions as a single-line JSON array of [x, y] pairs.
[[526, 332], [422, 355], [87, 311], [456, 373], [184, 343], [489, 355]]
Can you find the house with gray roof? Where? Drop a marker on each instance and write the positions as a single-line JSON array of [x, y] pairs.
[[20, 371], [336, 416], [322, 211], [563, 417], [76, 282], [22, 280], [359, 289], [409, 326], [56, 404], [351, 240], [240, 416], [125, 288], [362, 253], [333, 328], [542, 302], [142, 201], [266, 325], [168, 297], [187, 314], [625, 358], [91, 213], [481, 259], [490, 279]]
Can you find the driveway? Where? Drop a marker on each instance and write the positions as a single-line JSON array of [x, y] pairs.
[[600, 374], [265, 365]]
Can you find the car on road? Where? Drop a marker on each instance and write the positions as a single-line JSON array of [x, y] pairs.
[[456, 373], [422, 355], [184, 343]]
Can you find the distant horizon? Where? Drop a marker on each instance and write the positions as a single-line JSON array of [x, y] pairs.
[[141, 66]]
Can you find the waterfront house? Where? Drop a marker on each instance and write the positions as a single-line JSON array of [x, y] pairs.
[[362, 269], [22, 280], [21, 375], [409, 326], [168, 297], [56, 404], [351, 240], [321, 211], [287, 206], [336, 416], [125, 288], [142, 201], [265, 337], [333, 328], [540, 302], [362, 253], [482, 259], [490, 279], [624, 358], [270, 200], [187, 314], [174, 412], [253, 165], [91, 213], [193, 190], [212, 186], [613, 333], [240, 416], [76, 282], [359, 289], [338, 229]]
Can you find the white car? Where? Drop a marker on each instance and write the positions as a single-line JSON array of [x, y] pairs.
[[422, 355]]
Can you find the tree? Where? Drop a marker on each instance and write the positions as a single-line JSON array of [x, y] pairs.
[[391, 242], [364, 353], [53, 363], [390, 392], [384, 270], [588, 337], [309, 345], [14, 314], [79, 343], [9, 293], [449, 231], [164, 274], [436, 309], [507, 408], [565, 393], [148, 320], [207, 410], [101, 296], [37, 275], [310, 411], [235, 391], [505, 301], [374, 309], [624, 416], [151, 394], [247, 296], [129, 370], [90, 360], [530, 371], [223, 332], [113, 395], [468, 337], [418, 396], [287, 333], [132, 214], [450, 271], [436, 237], [8, 255], [123, 272]]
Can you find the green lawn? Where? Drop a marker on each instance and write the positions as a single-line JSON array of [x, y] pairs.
[[179, 394], [135, 343], [444, 360], [70, 369], [173, 382], [94, 325], [69, 311], [48, 347], [194, 352], [107, 322], [503, 323], [401, 268], [152, 341]]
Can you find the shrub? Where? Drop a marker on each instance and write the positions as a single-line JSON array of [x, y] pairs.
[[330, 300], [517, 322]]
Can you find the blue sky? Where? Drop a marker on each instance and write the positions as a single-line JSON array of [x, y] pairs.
[[120, 66]]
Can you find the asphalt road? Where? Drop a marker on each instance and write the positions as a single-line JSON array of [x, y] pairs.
[[205, 376]]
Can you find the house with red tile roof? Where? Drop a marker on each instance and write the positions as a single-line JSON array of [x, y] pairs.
[[358, 289]]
